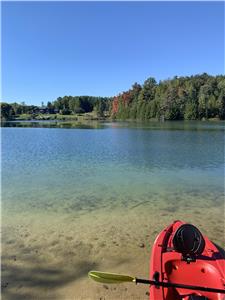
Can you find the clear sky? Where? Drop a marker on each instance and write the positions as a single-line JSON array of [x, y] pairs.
[[52, 49]]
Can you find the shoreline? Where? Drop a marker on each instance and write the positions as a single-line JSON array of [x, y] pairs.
[[94, 117]]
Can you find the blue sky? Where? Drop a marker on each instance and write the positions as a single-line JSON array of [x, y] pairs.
[[52, 49]]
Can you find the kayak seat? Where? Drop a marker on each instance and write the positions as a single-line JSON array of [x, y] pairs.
[[188, 240]]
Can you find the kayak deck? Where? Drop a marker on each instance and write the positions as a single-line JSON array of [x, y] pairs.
[[207, 270]]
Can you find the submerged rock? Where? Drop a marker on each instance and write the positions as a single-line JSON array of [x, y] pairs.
[[105, 286]]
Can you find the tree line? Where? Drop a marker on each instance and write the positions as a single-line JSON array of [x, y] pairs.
[[194, 97], [180, 98], [66, 105], [81, 104]]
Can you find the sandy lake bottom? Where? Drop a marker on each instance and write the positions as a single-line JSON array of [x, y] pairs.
[[48, 255]]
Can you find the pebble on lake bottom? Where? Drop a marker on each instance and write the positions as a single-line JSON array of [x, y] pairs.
[[106, 286]]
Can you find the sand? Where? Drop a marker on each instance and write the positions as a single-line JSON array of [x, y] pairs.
[[48, 255]]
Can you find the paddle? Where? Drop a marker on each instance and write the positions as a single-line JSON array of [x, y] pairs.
[[117, 278]]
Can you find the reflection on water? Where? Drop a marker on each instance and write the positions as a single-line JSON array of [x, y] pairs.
[[73, 197], [170, 125], [91, 124], [53, 124]]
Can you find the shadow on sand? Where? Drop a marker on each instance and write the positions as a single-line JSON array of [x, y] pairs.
[[34, 279]]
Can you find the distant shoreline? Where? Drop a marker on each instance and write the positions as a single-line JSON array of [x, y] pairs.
[[56, 117], [88, 117], [198, 97]]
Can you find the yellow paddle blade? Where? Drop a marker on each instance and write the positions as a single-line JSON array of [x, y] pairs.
[[110, 277]]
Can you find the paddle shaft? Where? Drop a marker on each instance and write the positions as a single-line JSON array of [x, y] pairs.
[[179, 285]]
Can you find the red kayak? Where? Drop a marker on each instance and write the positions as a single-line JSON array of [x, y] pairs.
[[182, 255]]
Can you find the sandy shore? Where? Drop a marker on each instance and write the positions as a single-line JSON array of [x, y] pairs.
[[48, 256]]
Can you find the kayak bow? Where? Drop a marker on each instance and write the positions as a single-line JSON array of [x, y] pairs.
[[181, 254]]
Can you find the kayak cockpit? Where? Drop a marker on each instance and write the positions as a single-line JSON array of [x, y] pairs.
[[200, 273], [182, 255]]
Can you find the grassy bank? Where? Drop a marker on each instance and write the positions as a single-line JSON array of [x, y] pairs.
[[74, 117]]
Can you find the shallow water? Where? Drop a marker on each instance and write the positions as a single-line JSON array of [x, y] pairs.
[[77, 199]]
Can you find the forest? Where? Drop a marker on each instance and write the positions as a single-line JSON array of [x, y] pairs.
[[195, 97], [181, 98]]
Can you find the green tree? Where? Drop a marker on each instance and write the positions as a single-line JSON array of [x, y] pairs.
[[6, 111], [203, 100], [221, 98], [190, 111], [147, 92], [100, 107], [50, 107]]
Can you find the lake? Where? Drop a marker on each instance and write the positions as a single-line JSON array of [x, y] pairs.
[[77, 197]]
